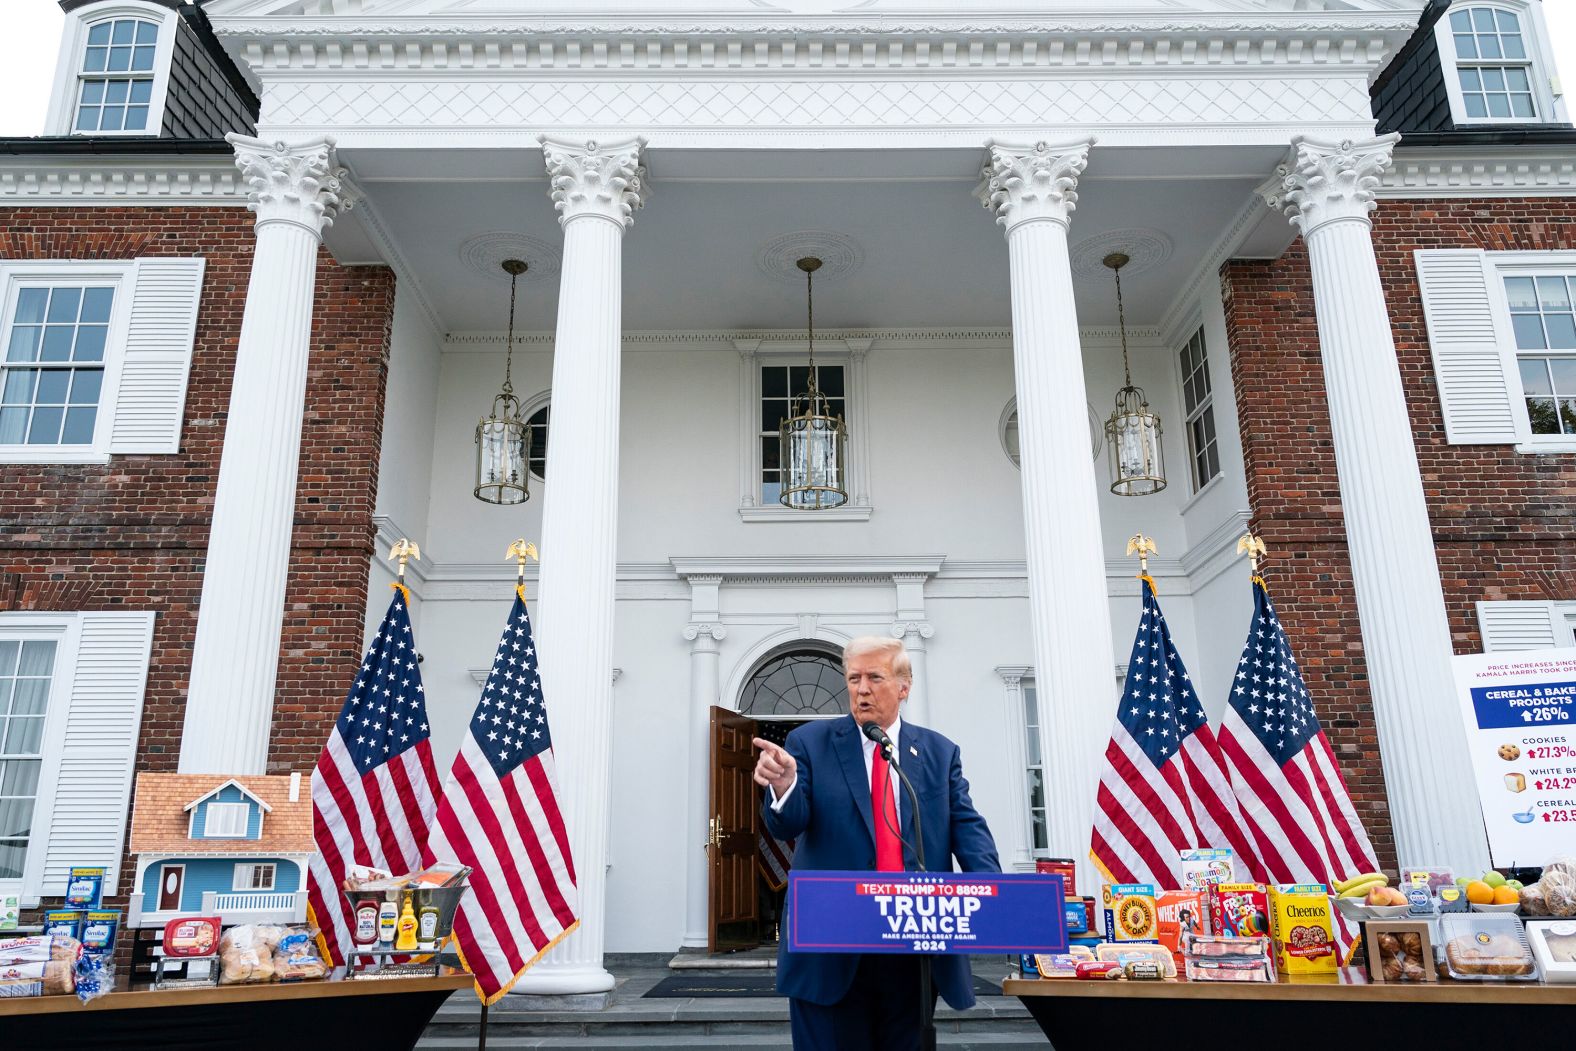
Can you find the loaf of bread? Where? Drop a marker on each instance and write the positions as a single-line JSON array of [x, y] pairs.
[[1485, 953]]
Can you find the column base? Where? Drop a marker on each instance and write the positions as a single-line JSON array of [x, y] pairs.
[[571, 984], [694, 941]]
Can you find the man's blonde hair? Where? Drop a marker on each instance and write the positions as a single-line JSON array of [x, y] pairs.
[[892, 649]]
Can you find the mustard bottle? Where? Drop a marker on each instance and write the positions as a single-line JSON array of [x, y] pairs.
[[406, 939]]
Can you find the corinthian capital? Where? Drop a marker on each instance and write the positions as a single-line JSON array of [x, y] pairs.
[[591, 178], [1023, 183], [1323, 182], [298, 184]]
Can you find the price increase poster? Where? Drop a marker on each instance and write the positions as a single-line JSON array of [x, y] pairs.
[[1520, 712]]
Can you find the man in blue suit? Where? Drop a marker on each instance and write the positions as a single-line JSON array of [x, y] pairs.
[[832, 791]]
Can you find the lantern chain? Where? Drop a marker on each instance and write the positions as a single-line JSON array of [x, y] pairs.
[[1121, 321], [508, 356]]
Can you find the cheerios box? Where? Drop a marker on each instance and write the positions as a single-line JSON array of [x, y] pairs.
[[1300, 923], [1130, 914]]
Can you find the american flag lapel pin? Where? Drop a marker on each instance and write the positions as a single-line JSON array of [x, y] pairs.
[[913, 751]]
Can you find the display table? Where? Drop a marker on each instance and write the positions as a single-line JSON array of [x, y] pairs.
[[1195, 1016], [386, 1014]]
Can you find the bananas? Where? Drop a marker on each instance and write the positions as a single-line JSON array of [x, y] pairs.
[[1359, 886]]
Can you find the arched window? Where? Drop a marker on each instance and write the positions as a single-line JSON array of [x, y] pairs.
[[798, 684], [114, 69], [1500, 71], [116, 78]]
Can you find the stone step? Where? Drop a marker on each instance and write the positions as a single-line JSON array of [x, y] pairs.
[[501, 1039]]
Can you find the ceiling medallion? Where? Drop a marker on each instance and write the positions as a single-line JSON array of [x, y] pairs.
[[840, 255], [1145, 249], [486, 253]]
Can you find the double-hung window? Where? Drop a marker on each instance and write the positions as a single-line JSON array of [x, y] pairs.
[[1543, 319], [1497, 69], [1199, 402], [52, 373], [113, 71], [781, 384], [27, 668], [115, 85]]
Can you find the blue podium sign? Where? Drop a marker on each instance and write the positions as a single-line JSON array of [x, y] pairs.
[[925, 912]]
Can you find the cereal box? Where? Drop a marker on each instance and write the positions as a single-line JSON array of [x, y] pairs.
[[1202, 866], [1180, 912], [1129, 912], [1240, 909], [1300, 922]]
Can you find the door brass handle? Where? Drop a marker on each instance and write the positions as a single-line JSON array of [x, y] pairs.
[[714, 831]]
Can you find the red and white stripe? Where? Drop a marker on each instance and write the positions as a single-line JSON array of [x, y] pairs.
[[775, 858], [378, 818], [523, 898], [1145, 816], [1299, 815]]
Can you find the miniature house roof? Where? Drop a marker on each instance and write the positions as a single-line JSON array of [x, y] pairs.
[[161, 814], [220, 788]]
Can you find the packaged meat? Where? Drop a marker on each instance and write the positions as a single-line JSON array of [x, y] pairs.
[[1125, 953]]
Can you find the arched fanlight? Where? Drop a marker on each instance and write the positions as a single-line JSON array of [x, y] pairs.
[[1138, 466], [814, 443], [503, 441]]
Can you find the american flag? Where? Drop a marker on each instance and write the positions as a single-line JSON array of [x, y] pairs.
[[1288, 785], [774, 856], [1164, 788], [499, 815], [374, 789]]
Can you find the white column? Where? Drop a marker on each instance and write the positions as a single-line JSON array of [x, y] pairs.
[[1033, 190], [705, 691], [295, 191], [1328, 190], [596, 189]]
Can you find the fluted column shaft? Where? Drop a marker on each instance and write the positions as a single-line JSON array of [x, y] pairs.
[[596, 190], [1032, 190], [1328, 190], [235, 656], [705, 691]]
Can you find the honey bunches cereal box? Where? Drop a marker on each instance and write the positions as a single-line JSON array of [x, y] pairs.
[[1129, 912], [1300, 923]]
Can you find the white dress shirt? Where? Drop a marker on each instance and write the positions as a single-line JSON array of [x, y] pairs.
[[869, 747]]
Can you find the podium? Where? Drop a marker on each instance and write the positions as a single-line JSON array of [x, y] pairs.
[[925, 914]]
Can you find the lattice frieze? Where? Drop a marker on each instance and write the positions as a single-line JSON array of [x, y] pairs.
[[800, 104]]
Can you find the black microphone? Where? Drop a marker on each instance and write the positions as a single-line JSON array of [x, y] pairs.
[[879, 736]]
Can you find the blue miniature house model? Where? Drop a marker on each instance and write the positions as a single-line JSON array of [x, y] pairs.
[[211, 845]]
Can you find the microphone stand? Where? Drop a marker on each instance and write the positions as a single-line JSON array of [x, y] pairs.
[[927, 995]]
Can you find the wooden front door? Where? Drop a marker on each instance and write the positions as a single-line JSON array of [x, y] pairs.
[[171, 879], [735, 826]]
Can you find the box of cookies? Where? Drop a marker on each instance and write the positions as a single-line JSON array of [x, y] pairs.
[[1554, 945], [1486, 947]]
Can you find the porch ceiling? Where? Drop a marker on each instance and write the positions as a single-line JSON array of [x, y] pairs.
[[923, 252]]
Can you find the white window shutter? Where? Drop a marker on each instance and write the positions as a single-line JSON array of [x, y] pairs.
[[1474, 351], [92, 780], [1520, 626], [152, 394]]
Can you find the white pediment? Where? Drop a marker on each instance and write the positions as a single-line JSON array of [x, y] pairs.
[[722, 10]]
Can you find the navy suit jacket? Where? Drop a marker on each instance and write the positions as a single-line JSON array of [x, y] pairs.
[[828, 813]]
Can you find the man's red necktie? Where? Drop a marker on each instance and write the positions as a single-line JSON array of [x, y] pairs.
[[883, 807]]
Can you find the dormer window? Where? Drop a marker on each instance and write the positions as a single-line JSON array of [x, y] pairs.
[[114, 69], [117, 76], [1496, 70]]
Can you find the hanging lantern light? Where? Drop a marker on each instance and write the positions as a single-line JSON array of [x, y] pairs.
[[814, 443], [503, 441], [1138, 466]]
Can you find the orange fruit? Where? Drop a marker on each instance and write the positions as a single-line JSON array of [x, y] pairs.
[[1506, 896], [1480, 893]]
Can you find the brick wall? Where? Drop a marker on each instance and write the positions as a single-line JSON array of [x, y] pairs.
[[133, 533], [1503, 522]]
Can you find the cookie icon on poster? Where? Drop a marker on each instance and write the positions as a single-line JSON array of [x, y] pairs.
[[1509, 752]]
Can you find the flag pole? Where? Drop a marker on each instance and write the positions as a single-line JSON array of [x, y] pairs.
[[1143, 547], [520, 550], [1254, 548], [403, 549]]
